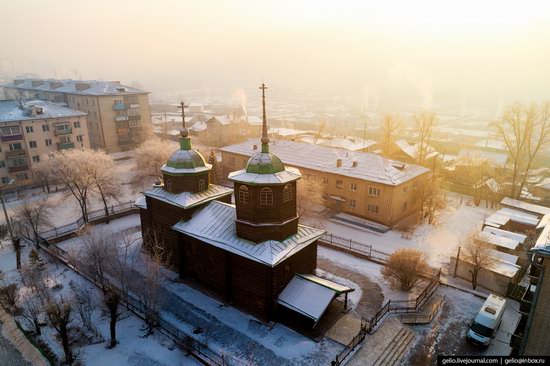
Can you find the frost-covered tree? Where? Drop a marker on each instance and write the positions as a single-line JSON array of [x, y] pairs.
[[43, 172], [150, 157], [60, 311], [404, 268], [424, 124], [478, 254], [391, 126], [105, 182], [95, 254]]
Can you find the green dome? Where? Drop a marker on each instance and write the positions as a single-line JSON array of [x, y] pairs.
[[186, 159], [264, 163]]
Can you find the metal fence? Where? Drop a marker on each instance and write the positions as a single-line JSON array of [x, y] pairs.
[[80, 222], [355, 246]]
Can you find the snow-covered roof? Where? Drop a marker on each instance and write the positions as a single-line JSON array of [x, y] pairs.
[[369, 166], [68, 86], [288, 131], [215, 225], [188, 199], [519, 216], [525, 206], [504, 263], [141, 202], [542, 245], [288, 175], [520, 238], [497, 220], [412, 149], [497, 240], [495, 157], [310, 295], [222, 120], [198, 127], [10, 111]]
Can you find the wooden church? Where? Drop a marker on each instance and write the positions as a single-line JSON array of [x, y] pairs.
[[254, 254]]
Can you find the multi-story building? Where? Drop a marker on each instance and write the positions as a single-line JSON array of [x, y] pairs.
[[119, 117], [32, 129], [361, 184]]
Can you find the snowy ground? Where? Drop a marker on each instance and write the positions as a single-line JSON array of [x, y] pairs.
[[225, 329], [132, 349], [438, 241]]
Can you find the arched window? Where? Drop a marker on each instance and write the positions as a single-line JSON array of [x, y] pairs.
[[244, 196], [168, 184], [202, 185], [287, 193], [266, 197]]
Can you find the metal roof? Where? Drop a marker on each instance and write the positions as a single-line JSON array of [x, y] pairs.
[[525, 206], [215, 224], [68, 86], [283, 177], [10, 111], [187, 199], [371, 167]]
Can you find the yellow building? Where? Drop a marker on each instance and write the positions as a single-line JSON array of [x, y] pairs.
[[32, 129], [361, 184], [119, 117]]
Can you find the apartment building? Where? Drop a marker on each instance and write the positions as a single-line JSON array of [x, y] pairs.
[[29, 130], [119, 117], [361, 184]]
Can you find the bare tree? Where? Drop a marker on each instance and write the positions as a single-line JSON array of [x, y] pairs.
[[150, 157], [391, 126], [34, 215], [84, 303], [478, 254], [95, 254], [404, 268], [424, 123], [111, 301], [525, 130], [30, 310], [431, 198], [124, 257], [59, 312], [70, 167]]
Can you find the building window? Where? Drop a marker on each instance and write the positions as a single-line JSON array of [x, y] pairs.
[[339, 183], [48, 142], [405, 206], [32, 144], [5, 180], [375, 192], [36, 158], [372, 208], [406, 189], [244, 195], [79, 138], [287, 193], [325, 180], [324, 197], [266, 197], [134, 123], [63, 128], [202, 185], [16, 146], [2, 164], [352, 203], [76, 124], [29, 129], [22, 176], [10, 130], [168, 184], [415, 186], [353, 186], [45, 128]]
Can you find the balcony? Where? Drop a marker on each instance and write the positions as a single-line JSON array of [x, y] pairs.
[[19, 168], [12, 137], [16, 153], [65, 131], [122, 131], [119, 106], [134, 105], [121, 118], [134, 117], [65, 145]]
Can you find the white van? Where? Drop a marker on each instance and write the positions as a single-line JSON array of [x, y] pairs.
[[487, 321]]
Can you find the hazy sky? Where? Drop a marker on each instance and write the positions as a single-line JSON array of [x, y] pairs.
[[498, 49]]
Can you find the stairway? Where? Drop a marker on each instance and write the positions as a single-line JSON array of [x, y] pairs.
[[386, 347], [397, 348]]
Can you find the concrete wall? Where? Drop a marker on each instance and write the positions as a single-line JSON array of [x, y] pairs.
[[538, 340], [487, 279]]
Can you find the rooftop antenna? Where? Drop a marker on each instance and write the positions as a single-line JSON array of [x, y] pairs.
[[265, 138]]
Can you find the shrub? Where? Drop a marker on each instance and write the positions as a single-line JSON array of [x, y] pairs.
[[404, 268]]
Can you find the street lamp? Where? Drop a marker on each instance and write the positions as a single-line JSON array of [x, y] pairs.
[[8, 223]]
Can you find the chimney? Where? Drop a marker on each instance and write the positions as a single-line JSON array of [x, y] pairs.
[[338, 163], [354, 164]]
